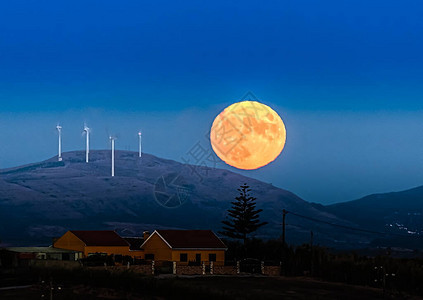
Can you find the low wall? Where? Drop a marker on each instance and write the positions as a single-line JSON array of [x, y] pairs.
[[142, 269], [63, 264], [271, 270], [189, 270], [225, 270], [183, 269]]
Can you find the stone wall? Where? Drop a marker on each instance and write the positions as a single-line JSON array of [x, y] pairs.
[[225, 270], [142, 269], [272, 270], [63, 264], [189, 270], [183, 269]]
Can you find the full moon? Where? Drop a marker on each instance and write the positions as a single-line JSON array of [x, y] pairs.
[[248, 135]]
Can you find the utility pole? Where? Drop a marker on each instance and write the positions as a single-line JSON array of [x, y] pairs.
[[312, 256], [283, 262], [384, 281], [284, 212], [51, 288]]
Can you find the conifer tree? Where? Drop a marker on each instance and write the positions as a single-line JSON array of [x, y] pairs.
[[243, 216]]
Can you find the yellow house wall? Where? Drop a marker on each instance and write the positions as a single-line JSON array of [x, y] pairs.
[[139, 254], [220, 255], [116, 250], [155, 245], [69, 241], [72, 242]]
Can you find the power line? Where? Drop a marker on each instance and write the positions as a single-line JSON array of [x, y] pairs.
[[349, 227]]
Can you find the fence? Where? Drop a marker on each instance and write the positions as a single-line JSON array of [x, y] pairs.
[[63, 264], [176, 268]]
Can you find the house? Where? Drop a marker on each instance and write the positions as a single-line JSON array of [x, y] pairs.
[[22, 256], [184, 246], [91, 242], [162, 245]]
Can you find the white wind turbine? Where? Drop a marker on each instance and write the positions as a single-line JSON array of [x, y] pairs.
[[59, 129], [140, 137], [87, 151], [112, 139]]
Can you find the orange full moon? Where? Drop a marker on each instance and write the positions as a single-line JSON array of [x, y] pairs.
[[248, 135]]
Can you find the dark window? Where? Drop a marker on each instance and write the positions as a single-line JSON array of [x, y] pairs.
[[149, 257], [183, 257], [65, 256], [198, 257], [212, 257]]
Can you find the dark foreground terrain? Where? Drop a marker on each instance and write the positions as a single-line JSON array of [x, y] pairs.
[[103, 285]]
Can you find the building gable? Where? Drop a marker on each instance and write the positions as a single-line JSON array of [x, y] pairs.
[[156, 248], [155, 240], [69, 241]]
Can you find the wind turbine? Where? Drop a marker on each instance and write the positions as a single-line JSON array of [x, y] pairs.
[[140, 137], [59, 129], [87, 133], [112, 139]]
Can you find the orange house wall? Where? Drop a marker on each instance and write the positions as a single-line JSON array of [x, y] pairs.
[[155, 245], [220, 255], [72, 242], [116, 250], [69, 241]]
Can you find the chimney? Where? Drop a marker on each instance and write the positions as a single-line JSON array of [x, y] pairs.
[[145, 235]]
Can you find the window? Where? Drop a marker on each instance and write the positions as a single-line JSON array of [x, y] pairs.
[[149, 257], [183, 257], [198, 257], [212, 257]]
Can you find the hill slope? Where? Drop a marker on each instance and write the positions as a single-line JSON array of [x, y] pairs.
[[399, 212], [42, 200]]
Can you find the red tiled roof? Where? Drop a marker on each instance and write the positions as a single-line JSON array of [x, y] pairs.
[[197, 239], [100, 238]]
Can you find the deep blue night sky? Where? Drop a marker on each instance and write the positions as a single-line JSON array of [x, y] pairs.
[[345, 76]]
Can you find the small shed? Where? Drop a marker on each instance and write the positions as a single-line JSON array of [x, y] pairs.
[[20, 256]]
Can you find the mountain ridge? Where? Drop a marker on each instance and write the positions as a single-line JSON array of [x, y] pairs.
[[42, 200], [398, 212], [54, 196]]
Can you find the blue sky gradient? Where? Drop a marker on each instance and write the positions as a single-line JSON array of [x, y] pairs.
[[345, 76]]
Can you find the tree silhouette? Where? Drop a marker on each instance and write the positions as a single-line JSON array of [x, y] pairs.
[[243, 216]]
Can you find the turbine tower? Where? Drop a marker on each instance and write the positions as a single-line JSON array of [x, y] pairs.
[[59, 129], [140, 137], [112, 139], [87, 151]]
